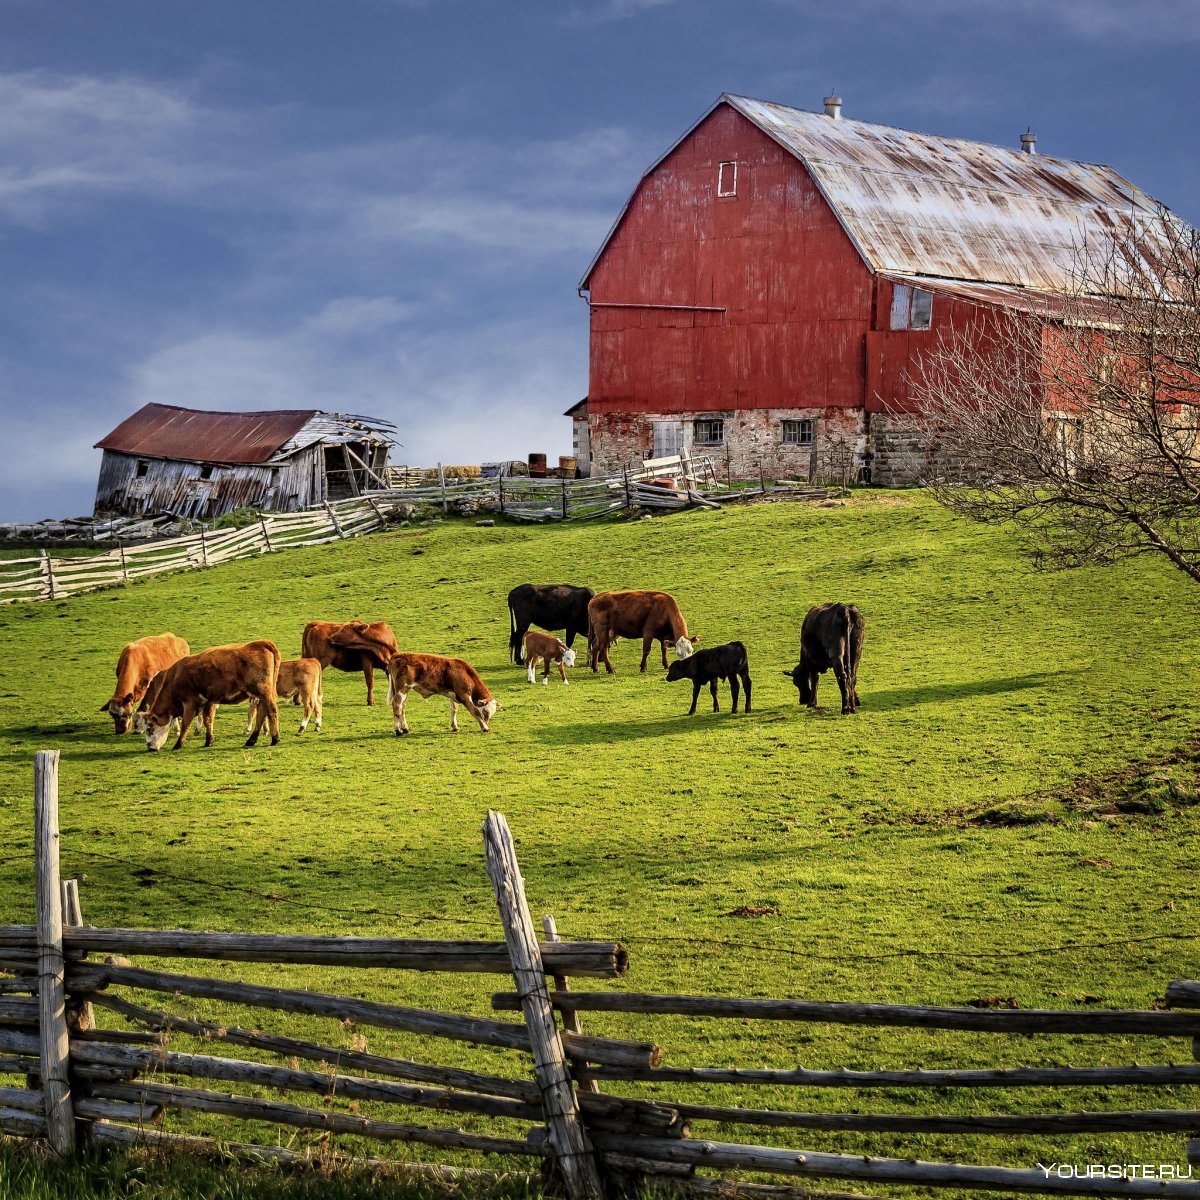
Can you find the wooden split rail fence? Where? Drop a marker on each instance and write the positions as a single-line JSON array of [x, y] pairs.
[[70, 1076], [45, 576]]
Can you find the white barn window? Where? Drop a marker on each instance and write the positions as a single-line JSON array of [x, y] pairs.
[[912, 308], [797, 432], [709, 431], [727, 173]]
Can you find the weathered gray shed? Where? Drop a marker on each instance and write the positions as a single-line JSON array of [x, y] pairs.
[[202, 464]]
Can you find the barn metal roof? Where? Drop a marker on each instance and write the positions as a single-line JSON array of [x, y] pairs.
[[919, 204], [196, 435]]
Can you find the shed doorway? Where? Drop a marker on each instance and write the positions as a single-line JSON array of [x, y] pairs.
[[668, 438]]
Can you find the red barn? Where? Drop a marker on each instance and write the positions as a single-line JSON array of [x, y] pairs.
[[775, 276]]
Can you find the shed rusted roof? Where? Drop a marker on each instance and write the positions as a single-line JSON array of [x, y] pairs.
[[165, 431], [919, 204]]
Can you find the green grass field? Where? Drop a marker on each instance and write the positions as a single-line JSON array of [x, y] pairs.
[[1012, 812]]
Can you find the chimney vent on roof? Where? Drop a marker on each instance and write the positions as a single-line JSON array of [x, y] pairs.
[[833, 107], [1029, 142]]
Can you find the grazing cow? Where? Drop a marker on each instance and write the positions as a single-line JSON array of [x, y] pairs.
[[831, 636], [550, 650], [707, 666], [350, 646], [553, 606], [432, 675], [152, 690], [645, 615], [299, 681], [222, 675], [139, 662]]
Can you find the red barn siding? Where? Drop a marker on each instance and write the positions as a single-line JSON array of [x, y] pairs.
[[796, 294]]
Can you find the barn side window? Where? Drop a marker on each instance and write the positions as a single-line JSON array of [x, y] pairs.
[[206, 472], [797, 432], [912, 308], [710, 431], [142, 470], [727, 179]]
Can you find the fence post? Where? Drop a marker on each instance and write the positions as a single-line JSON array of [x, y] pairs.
[[378, 513], [500, 480], [48, 572], [566, 505], [628, 493], [52, 1009], [570, 1018], [442, 485], [762, 481], [266, 536], [568, 1140], [124, 564], [73, 915], [333, 517], [203, 548]]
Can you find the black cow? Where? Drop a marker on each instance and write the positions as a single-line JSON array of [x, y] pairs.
[[553, 606], [831, 636], [707, 666]]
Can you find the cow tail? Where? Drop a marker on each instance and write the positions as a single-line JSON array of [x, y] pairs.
[[513, 650]]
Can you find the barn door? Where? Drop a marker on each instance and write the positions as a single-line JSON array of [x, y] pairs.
[[668, 438]]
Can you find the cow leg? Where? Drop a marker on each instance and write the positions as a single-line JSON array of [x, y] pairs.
[[839, 671], [647, 646], [185, 723], [302, 697], [531, 669], [563, 672], [208, 716], [814, 677], [318, 702], [453, 715], [746, 685], [474, 710], [250, 715], [369, 675], [260, 715], [664, 653], [547, 663], [696, 686], [734, 691], [399, 721], [712, 687]]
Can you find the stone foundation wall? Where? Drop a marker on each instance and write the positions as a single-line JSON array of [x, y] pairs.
[[904, 449], [753, 440]]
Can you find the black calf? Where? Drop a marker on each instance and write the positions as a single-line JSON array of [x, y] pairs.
[[707, 666]]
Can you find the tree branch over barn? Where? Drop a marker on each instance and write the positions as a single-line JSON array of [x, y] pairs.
[[1078, 419]]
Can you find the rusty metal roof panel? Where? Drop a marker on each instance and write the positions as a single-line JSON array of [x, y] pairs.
[[918, 204], [165, 431]]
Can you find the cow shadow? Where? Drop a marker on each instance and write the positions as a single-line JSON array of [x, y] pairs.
[[890, 699], [595, 732]]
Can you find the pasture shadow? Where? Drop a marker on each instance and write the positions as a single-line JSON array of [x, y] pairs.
[[595, 732], [890, 699]]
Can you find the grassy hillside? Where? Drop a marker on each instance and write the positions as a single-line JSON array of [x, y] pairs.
[[1011, 813]]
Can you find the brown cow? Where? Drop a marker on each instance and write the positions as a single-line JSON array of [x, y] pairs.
[[223, 675], [140, 661], [645, 615], [550, 650], [299, 681], [432, 675], [350, 646]]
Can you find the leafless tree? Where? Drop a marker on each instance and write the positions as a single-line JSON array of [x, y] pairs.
[[1076, 417]]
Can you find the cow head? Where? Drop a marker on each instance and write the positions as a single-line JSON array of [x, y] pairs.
[[684, 647], [156, 734], [677, 671], [120, 708], [489, 711], [568, 658], [800, 678]]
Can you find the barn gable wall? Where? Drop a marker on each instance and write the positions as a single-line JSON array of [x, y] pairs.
[[796, 294]]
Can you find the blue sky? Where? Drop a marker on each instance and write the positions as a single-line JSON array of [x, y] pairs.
[[385, 206]]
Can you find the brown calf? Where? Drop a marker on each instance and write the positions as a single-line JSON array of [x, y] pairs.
[[650, 616], [350, 646], [432, 675], [223, 675], [299, 681], [550, 650], [140, 661]]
